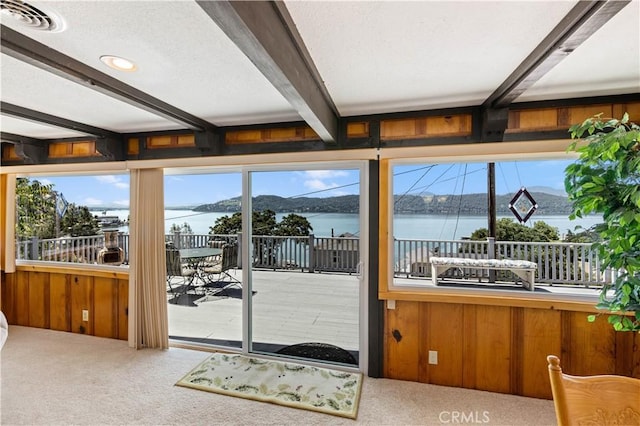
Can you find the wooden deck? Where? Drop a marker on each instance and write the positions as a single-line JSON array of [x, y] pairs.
[[289, 307]]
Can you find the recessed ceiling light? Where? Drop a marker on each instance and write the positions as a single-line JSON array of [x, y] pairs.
[[118, 63]]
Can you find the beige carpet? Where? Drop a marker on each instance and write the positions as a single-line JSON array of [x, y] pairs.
[[56, 378]]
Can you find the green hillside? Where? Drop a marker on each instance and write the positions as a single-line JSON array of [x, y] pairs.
[[468, 204]]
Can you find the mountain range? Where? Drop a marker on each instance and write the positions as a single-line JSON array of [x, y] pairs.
[[467, 204]]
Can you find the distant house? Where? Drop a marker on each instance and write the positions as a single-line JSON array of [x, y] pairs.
[[109, 221]]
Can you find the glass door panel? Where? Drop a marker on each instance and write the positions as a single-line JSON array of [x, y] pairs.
[[204, 281], [305, 259]]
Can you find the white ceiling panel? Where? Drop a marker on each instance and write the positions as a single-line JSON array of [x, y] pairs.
[[607, 63], [387, 56], [30, 87], [35, 130], [183, 58]]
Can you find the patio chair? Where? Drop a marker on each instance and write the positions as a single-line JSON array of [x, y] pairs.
[[176, 269], [220, 278], [601, 400]]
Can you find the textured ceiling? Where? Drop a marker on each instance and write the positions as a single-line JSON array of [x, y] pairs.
[[372, 57]]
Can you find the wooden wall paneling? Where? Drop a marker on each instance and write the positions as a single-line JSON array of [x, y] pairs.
[[590, 346], [358, 129], [542, 336], [424, 331], [384, 251], [445, 324], [628, 354], [448, 125], [133, 146], [123, 309], [402, 341], [38, 300], [81, 295], [493, 348], [105, 307], [59, 306], [21, 298], [8, 289], [397, 129], [517, 350], [538, 119], [469, 346], [578, 114], [633, 109]]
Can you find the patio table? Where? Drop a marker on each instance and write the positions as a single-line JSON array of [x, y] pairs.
[[196, 259]]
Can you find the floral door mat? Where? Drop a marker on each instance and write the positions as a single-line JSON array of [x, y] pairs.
[[285, 383]]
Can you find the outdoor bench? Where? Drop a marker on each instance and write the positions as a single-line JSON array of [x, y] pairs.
[[522, 268]]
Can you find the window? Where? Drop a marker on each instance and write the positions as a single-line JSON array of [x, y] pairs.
[[77, 219], [442, 210]]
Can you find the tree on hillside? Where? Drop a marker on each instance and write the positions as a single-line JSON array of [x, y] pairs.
[[35, 205], [508, 230], [36, 210], [264, 223], [78, 222], [185, 228]]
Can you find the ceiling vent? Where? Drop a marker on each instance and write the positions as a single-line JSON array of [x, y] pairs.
[[30, 16]]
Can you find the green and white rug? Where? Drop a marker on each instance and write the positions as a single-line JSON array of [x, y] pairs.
[[285, 383]]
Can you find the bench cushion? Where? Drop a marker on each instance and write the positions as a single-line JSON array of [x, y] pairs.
[[483, 263]]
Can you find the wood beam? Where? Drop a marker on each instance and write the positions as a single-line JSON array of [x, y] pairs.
[[578, 25], [264, 31], [39, 55], [44, 118], [12, 138]]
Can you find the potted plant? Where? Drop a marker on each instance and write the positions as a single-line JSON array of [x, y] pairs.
[[605, 179]]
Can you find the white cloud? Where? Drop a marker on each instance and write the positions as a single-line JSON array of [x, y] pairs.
[[318, 185], [92, 202], [123, 203], [113, 180], [325, 174]]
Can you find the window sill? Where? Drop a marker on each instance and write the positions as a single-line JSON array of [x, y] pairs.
[[514, 298], [105, 271]]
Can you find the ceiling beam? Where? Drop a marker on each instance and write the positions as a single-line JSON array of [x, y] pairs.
[[264, 31], [12, 138], [39, 55], [584, 19], [44, 118], [30, 150]]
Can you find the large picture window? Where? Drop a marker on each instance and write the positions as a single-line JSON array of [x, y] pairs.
[[445, 211], [75, 219]]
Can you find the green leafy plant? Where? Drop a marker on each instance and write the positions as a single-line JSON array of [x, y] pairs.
[[605, 179]]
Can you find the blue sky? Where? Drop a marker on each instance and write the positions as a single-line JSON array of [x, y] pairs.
[[180, 190]]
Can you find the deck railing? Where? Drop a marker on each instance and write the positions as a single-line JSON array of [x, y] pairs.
[[558, 263]]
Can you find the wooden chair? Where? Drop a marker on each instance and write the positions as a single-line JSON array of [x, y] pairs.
[[594, 400]]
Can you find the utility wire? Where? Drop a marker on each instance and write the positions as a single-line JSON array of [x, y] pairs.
[[464, 177]]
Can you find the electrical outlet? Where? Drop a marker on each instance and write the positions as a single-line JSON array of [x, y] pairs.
[[85, 315], [433, 357]]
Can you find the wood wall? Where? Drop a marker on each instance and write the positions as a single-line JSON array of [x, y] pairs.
[[501, 348], [55, 300]]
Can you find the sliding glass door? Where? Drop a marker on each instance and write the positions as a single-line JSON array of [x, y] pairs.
[[305, 261], [268, 260]]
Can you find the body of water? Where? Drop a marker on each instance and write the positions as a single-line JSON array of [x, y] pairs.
[[405, 226]]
